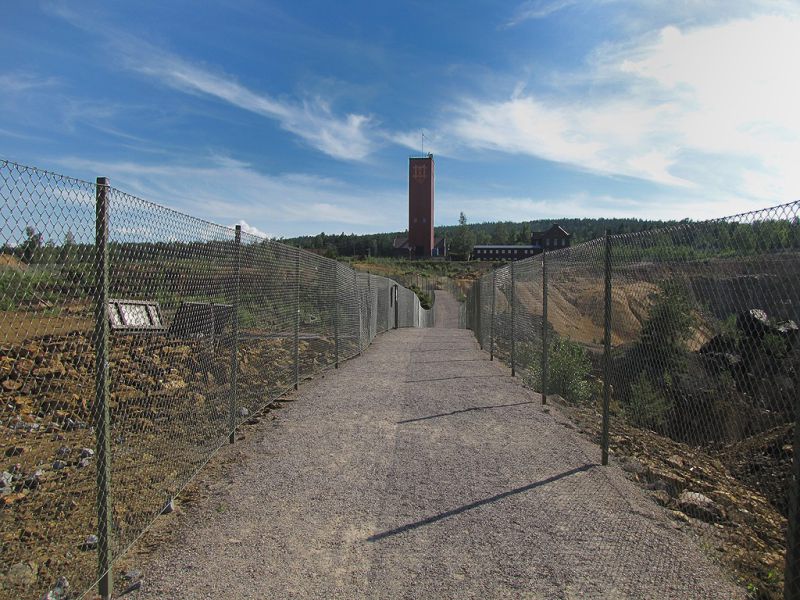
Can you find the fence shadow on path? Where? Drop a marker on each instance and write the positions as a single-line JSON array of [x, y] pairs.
[[467, 507], [463, 410]]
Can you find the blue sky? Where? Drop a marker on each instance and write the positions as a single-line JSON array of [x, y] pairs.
[[299, 117]]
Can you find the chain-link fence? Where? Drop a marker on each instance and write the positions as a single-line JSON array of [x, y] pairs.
[[677, 351], [133, 341]]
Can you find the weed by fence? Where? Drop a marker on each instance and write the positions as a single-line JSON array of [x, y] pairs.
[[684, 342], [131, 347]]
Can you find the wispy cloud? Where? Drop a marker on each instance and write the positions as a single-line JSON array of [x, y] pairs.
[[481, 208], [22, 82], [538, 9], [646, 15], [710, 109], [219, 189], [349, 136]]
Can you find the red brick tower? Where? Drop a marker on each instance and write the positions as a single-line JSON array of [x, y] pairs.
[[420, 205]]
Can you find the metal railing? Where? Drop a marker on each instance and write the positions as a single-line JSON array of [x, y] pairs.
[[678, 351], [134, 340]]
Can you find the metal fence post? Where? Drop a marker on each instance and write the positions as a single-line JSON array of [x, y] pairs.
[[606, 350], [237, 253], [545, 348], [297, 321], [369, 308], [791, 574], [396, 296], [478, 305], [102, 414], [491, 323], [358, 303], [336, 313], [513, 322]]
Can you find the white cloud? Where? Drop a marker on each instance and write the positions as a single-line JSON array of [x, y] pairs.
[[348, 137], [222, 189], [710, 109], [247, 228]]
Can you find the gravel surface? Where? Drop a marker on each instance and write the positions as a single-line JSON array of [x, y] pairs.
[[422, 470]]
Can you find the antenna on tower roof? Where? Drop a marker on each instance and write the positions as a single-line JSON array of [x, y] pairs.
[[423, 142]]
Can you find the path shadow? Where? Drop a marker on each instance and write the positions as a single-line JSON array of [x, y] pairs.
[[456, 511], [458, 349], [449, 360], [454, 377], [463, 410]]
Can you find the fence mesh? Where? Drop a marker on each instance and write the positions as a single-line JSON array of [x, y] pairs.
[[703, 375], [208, 326]]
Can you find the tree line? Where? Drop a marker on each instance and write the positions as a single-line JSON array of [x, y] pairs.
[[736, 237]]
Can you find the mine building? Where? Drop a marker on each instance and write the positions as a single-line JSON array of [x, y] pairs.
[[420, 242], [554, 238], [503, 252]]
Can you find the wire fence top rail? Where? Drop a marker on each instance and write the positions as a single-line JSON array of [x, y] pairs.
[[134, 340]]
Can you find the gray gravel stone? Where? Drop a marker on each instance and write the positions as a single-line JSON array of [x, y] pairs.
[[422, 470]]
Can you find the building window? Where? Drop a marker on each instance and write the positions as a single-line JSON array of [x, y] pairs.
[[415, 219], [424, 220]]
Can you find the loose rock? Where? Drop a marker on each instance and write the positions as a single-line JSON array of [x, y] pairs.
[[32, 481], [90, 543], [60, 591], [22, 574], [699, 506], [168, 507]]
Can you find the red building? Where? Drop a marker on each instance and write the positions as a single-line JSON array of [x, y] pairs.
[[420, 242], [420, 206]]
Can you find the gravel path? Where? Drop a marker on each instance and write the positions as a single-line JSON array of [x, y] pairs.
[[422, 470], [445, 311]]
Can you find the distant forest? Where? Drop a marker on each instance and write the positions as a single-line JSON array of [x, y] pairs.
[[501, 232]]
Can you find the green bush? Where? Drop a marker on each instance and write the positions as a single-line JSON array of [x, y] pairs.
[[648, 406], [569, 369]]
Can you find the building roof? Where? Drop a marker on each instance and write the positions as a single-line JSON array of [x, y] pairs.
[[553, 229]]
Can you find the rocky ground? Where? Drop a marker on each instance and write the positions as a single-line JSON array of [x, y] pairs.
[[170, 409], [711, 494]]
